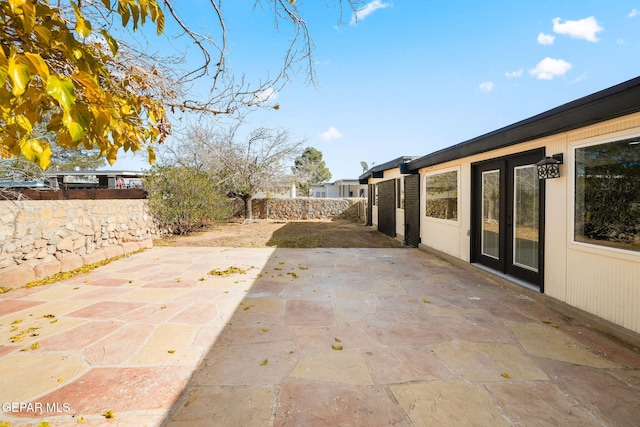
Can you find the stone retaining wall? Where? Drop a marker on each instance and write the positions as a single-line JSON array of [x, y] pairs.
[[309, 208], [42, 238]]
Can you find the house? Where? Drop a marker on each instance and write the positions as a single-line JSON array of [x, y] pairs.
[[340, 188], [386, 196], [573, 235]]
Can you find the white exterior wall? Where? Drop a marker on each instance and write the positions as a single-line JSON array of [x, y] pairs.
[[599, 280]]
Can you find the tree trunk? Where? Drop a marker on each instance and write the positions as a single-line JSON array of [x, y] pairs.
[[248, 209]]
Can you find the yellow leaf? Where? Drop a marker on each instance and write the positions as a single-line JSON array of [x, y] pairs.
[[19, 75], [40, 67], [265, 329], [5, 424], [424, 300], [505, 375], [108, 415], [337, 339], [35, 345], [171, 351], [44, 424], [152, 155], [80, 420], [16, 321], [336, 347], [83, 27], [264, 362], [63, 91], [89, 82], [113, 44], [43, 34]]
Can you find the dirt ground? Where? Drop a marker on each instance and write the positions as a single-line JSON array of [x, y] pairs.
[[286, 234]]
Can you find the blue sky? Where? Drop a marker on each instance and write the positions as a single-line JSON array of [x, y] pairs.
[[412, 77]]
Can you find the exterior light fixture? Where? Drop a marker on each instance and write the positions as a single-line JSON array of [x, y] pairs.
[[549, 167]]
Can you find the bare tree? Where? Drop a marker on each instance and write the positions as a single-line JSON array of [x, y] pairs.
[[242, 165]]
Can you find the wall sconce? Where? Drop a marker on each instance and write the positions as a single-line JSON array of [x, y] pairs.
[[549, 167]]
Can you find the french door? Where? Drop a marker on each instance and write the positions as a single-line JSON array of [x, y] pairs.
[[508, 216]]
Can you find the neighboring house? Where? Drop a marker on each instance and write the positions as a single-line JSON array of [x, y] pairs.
[[575, 237], [386, 196], [340, 188], [112, 179]]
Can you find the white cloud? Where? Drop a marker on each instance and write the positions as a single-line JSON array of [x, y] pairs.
[[585, 29], [549, 68], [265, 95], [514, 74], [367, 10], [634, 13], [546, 39], [331, 134], [486, 87]]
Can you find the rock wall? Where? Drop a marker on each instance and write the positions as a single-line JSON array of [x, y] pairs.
[[309, 208], [42, 238]]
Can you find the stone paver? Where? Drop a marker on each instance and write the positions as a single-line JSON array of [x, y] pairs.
[[304, 337]]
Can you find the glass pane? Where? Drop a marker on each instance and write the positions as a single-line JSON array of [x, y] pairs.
[[491, 214], [442, 195], [607, 194], [525, 217]]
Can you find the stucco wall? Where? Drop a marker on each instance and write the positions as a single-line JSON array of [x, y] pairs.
[[39, 238]]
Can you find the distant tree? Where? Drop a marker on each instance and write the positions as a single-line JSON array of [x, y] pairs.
[[243, 166], [183, 200], [310, 169]]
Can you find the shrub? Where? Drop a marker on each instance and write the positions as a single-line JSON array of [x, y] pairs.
[[183, 200]]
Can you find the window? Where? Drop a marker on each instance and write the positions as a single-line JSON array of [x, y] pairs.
[[607, 194], [442, 195], [375, 194], [400, 193]]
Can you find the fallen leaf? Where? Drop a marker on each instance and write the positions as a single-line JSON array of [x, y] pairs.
[[265, 329], [54, 321], [202, 279], [424, 300], [44, 424], [505, 375], [338, 339], [35, 345], [163, 307], [16, 321], [171, 351], [281, 263], [80, 420], [228, 272], [60, 380], [264, 362], [48, 316], [109, 414], [336, 347]]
